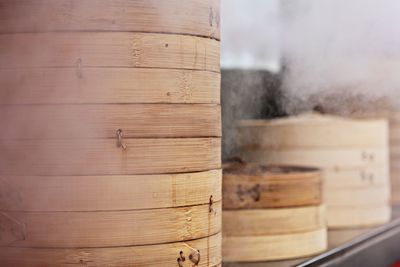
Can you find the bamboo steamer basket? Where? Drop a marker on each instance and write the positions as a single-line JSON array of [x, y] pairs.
[[195, 17], [268, 213], [209, 249], [108, 85], [133, 50], [111, 150], [108, 192], [354, 155], [395, 156]]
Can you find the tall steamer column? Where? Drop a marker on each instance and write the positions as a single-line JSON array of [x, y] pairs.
[[111, 133]]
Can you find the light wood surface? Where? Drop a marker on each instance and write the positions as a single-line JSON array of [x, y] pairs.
[[313, 131], [366, 195], [103, 157], [109, 228], [102, 121], [337, 159], [105, 193], [273, 247], [362, 216], [260, 222], [271, 189], [342, 236], [197, 17], [357, 177], [108, 49], [107, 85], [152, 255]]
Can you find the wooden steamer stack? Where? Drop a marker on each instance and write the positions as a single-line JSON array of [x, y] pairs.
[[272, 213], [110, 141], [353, 154]]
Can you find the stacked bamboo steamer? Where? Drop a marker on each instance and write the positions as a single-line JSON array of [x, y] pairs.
[[353, 154], [272, 213], [110, 141]]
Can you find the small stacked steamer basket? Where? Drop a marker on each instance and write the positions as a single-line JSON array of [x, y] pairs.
[[272, 213], [110, 148]]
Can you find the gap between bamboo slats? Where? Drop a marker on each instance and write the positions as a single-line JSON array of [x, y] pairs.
[[108, 49], [260, 222], [108, 85], [255, 192], [333, 159], [358, 216], [196, 17], [109, 228], [108, 193], [357, 177], [102, 121], [366, 195], [104, 157], [319, 132], [151, 256], [273, 247]]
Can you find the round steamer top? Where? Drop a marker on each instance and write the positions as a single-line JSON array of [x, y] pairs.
[[268, 171]]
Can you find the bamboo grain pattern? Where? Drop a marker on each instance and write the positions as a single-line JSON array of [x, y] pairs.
[[108, 49], [151, 256], [357, 177], [109, 228], [271, 189], [108, 193], [260, 222], [102, 121], [365, 195], [196, 17], [103, 157], [363, 216], [108, 85], [273, 247]]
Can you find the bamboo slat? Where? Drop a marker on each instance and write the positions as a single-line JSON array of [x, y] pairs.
[[106, 193], [354, 216], [273, 247], [336, 159], [151, 256], [255, 187], [313, 131], [272, 221], [107, 85], [172, 16], [103, 157], [366, 195], [108, 49], [357, 177], [109, 228], [102, 121]]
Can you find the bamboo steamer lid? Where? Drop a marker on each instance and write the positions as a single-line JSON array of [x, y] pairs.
[[273, 221], [172, 16], [358, 216], [102, 121], [108, 193], [151, 255], [109, 228], [103, 157], [249, 186], [273, 247], [313, 131], [92, 49], [108, 85]]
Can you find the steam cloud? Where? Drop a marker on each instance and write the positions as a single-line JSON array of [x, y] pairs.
[[340, 52]]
